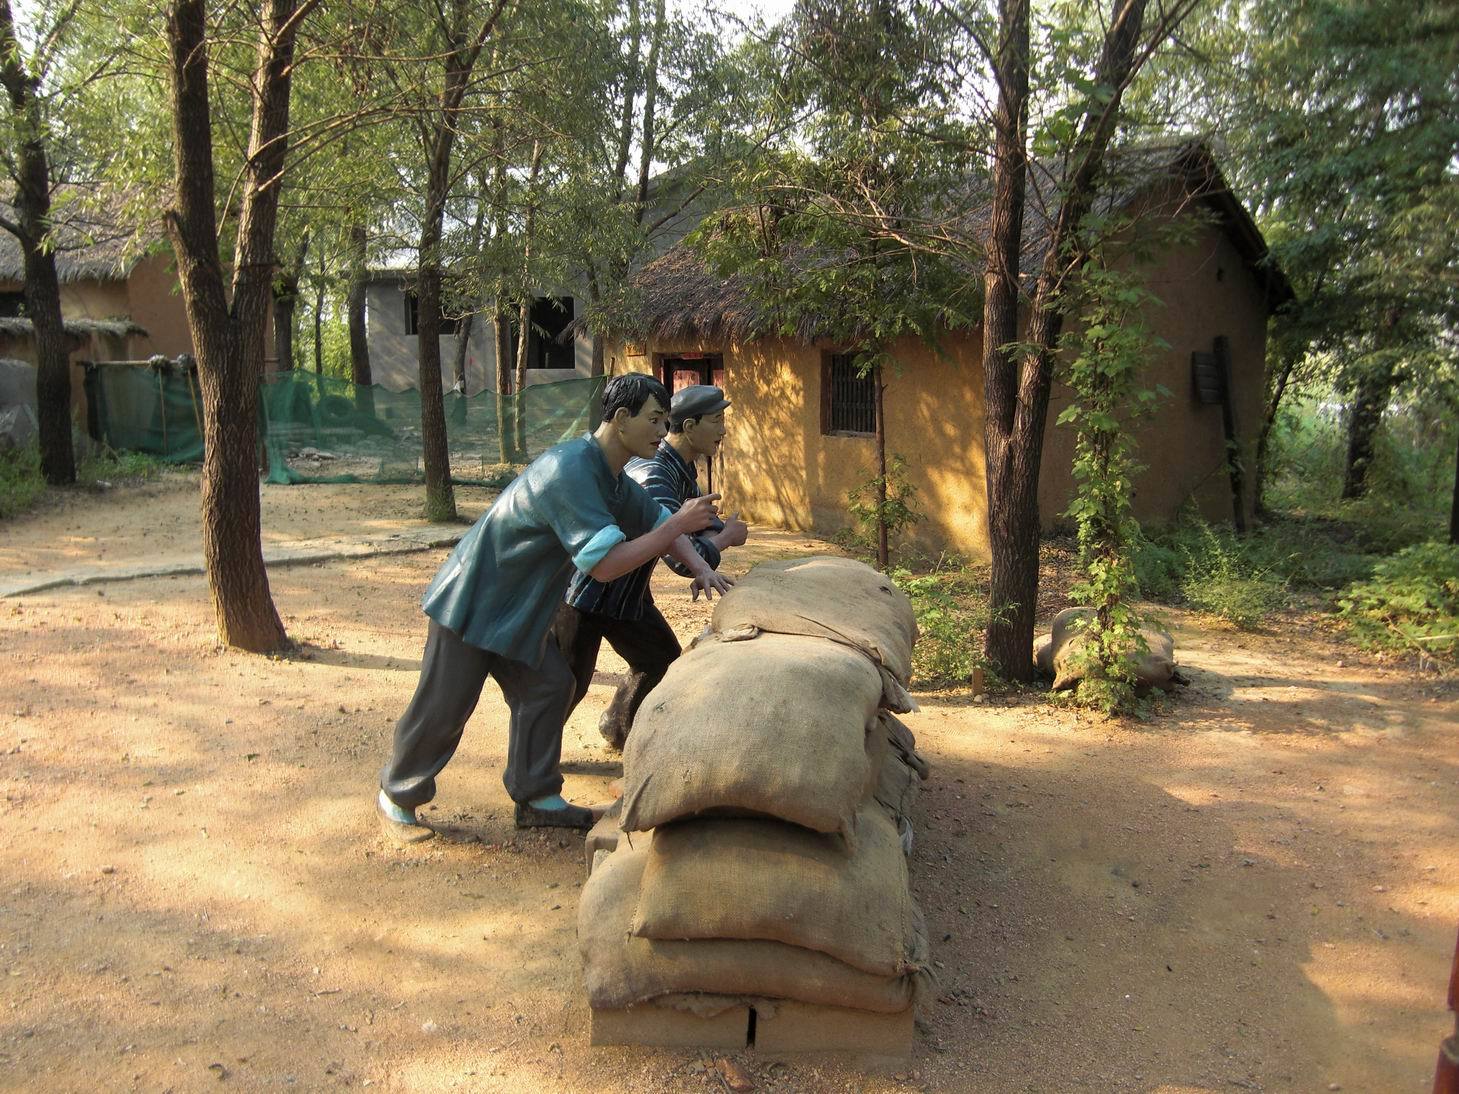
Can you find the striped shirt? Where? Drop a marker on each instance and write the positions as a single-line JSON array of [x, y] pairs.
[[670, 480]]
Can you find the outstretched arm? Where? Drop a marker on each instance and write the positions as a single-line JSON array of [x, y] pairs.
[[629, 555]]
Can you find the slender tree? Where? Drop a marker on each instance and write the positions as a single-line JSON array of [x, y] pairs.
[[29, 167], [228, 319]]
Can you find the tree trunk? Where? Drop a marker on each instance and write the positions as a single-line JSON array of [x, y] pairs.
[[650, 103], [519, 379], [440, 496], [1454, 504], [883, 553], [359, 332], [319, 319], [1291, 354], [501, 330], [524, 329], [42, 288], [460, 60], [1375, 388], [1000, 328], [285, 290], [1015, 423], [462, 352], [229, 338]]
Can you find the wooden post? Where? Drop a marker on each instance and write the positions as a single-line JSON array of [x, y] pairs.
[[1221, 350]]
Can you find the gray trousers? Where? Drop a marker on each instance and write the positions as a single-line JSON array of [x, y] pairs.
[[648, 645], [452, 674]]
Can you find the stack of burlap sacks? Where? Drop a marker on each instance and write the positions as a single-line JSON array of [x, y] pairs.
[[760, 865]]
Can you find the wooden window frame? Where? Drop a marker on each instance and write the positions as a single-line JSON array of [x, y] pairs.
[[829, 362]]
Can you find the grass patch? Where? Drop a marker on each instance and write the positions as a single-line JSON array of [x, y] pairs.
[[22, 486], [112, 467]]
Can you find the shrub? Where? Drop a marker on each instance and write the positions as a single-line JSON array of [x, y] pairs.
[[1211, 570], [951, 617], [21, 485], [1410, 603]]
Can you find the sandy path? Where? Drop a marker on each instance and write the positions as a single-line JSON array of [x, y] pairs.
[[1258, 890]]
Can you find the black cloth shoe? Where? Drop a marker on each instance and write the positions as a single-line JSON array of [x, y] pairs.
[[573, 816]]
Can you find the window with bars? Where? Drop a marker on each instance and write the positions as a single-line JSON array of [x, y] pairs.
[[848, 398]]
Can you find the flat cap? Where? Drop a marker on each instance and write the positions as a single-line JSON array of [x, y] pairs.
[[696, 402]]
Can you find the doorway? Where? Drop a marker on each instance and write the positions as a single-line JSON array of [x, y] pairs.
[[681, 370]]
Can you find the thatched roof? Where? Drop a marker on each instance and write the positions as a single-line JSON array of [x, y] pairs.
[[679, 298], [89, 246], [84, 328]]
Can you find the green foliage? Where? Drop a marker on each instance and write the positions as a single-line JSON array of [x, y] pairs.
[[898, 511], [1410, 481], [21, 484], [1107, 351], [951, 607], [1222, 575], [22, 487], [1411, 603]]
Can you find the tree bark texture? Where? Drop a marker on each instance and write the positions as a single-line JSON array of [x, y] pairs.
[[501, 332], [355, 318], [42, 289], [228, 330], [460, 59], [1000, 324], [1370, 400], [524, 320], [286, 301], [1015, 429]]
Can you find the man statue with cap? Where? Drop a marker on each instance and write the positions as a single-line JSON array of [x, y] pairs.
[[491, 607], [623, 610]]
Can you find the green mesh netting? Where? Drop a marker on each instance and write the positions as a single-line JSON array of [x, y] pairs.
[[318, 429], [138, 408]]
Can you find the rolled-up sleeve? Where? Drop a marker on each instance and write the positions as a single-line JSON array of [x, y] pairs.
[[597, 548]]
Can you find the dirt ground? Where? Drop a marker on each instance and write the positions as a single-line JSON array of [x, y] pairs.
[[1256, 890]]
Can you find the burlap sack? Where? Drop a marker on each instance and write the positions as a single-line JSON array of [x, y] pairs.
[[836, 598], [621, 970], [766, 880], [905, 743], [1055, 655], [896, 784], [774, 726]]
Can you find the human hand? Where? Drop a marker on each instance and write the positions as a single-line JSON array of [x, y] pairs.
[[734, 533], [710, 582], [696, 514]]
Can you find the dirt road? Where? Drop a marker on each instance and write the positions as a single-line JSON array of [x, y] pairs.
[[1258, 890]]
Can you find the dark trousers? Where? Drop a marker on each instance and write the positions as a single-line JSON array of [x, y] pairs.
[[452, 674], [647, 644]]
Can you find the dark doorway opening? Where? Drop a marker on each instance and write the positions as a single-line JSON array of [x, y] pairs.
[[681, 370]]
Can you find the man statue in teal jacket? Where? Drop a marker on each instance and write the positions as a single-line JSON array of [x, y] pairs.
[[493, 601]]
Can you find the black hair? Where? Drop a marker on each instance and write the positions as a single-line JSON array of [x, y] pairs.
[[630, 391]]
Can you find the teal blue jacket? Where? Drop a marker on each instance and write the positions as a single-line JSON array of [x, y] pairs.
[[501, 586]]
